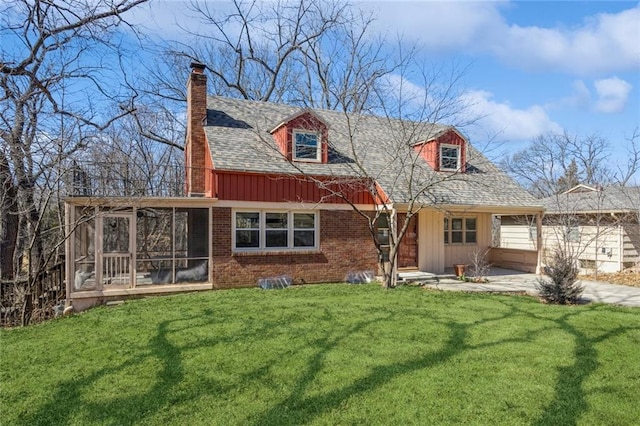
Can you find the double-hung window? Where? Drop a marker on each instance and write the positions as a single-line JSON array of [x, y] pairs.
[[449, 157], [247, 233], [274, 230], [306, 146], [382, 234], [460, 230]]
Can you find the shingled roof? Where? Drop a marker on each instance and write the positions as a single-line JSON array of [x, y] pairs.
[[611, 199], [239, 139]]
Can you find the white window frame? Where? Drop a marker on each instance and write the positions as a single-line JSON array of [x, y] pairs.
[[318, 136], [458, 154], [263, 228], [448, 234]]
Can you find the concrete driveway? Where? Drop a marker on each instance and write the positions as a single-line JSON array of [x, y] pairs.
[[507, 281]]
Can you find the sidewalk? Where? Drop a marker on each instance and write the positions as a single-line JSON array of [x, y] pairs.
[[508, 281]]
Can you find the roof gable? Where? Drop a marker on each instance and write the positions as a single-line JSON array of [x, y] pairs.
[[249, 146], [306, 114]]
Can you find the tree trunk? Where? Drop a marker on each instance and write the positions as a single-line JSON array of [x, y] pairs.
[[8, 222]]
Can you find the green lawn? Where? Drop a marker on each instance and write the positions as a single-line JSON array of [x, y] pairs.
[[326, 354]]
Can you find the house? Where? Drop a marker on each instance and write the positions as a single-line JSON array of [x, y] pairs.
[[599, 226], [261, 185]]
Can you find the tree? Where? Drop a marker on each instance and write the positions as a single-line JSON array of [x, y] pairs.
[[561, 285], [553, 162], [320, 54], [54, 92]]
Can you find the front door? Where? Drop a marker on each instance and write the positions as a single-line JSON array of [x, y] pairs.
[[116, 253], [408, 249]]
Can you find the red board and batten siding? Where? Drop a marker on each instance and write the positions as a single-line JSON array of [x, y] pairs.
[[240, 186], [430, 150]]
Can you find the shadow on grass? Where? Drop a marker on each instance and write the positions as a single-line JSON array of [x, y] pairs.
[[69, 399], [69, 404], [569, 400], [297, 409]]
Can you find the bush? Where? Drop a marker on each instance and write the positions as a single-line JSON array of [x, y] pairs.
[[561, 286]]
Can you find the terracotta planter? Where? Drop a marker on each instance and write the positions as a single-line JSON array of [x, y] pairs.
[[459, 269]]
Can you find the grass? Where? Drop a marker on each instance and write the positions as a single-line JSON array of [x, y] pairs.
[[325, 355]]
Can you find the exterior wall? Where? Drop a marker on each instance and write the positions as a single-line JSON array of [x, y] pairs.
[[272, 188], [588, 248], [430, 241], [630, 245], [621, 244], [516, 259], [283, 135], [430, 150], [516, 237], [345, 246], [434, 255], [460, 253]]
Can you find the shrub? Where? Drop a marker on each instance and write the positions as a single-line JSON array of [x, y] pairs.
[[480, 268], [561, 286]]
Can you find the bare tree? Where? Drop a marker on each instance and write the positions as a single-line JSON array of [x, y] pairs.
[[394, 172], [54, 92], [552, 162], [320, 54]]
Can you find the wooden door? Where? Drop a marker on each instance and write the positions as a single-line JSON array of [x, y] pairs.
[[408, 250]]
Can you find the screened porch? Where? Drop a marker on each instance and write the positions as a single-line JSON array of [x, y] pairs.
[[142, 247]]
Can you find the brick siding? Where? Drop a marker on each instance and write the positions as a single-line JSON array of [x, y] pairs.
[[345, 245]]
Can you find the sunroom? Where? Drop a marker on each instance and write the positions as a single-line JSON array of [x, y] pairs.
[[126, 247]]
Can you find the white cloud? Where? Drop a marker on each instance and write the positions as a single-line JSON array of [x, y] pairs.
[[437, 25], [509, 123], [612, 94], [603, 43]]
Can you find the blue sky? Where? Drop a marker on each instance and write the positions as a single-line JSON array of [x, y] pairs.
[[534, 66]]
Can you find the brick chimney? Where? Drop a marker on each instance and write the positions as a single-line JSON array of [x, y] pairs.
[[196, 148]]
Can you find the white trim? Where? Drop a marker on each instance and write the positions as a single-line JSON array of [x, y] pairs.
[[262, 249], [318, 136], [449, 231], [458, 149]]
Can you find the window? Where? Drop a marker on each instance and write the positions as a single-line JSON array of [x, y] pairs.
[[247, 230], [382, 226], [449, 157], [306, 146], [304, 229], [276, 230], [446, 230], [280, 230], [458, 230]]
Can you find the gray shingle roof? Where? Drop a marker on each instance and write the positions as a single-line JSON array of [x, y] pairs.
[[239, 139], [608, 199]]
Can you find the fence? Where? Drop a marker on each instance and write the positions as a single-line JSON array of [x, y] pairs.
[[22, 301]]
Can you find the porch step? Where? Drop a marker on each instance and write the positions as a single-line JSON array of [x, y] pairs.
[[415, 276]]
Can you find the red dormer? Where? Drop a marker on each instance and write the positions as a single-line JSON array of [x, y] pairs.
[[303, 137], [446, 152]]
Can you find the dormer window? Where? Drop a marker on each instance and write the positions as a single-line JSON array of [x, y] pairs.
[[449, 157], [306, 146]]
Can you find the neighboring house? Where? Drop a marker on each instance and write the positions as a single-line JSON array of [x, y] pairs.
[[598, 226], [259, 178]]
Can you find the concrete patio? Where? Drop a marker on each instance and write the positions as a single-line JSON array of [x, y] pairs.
[[508, 281]]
